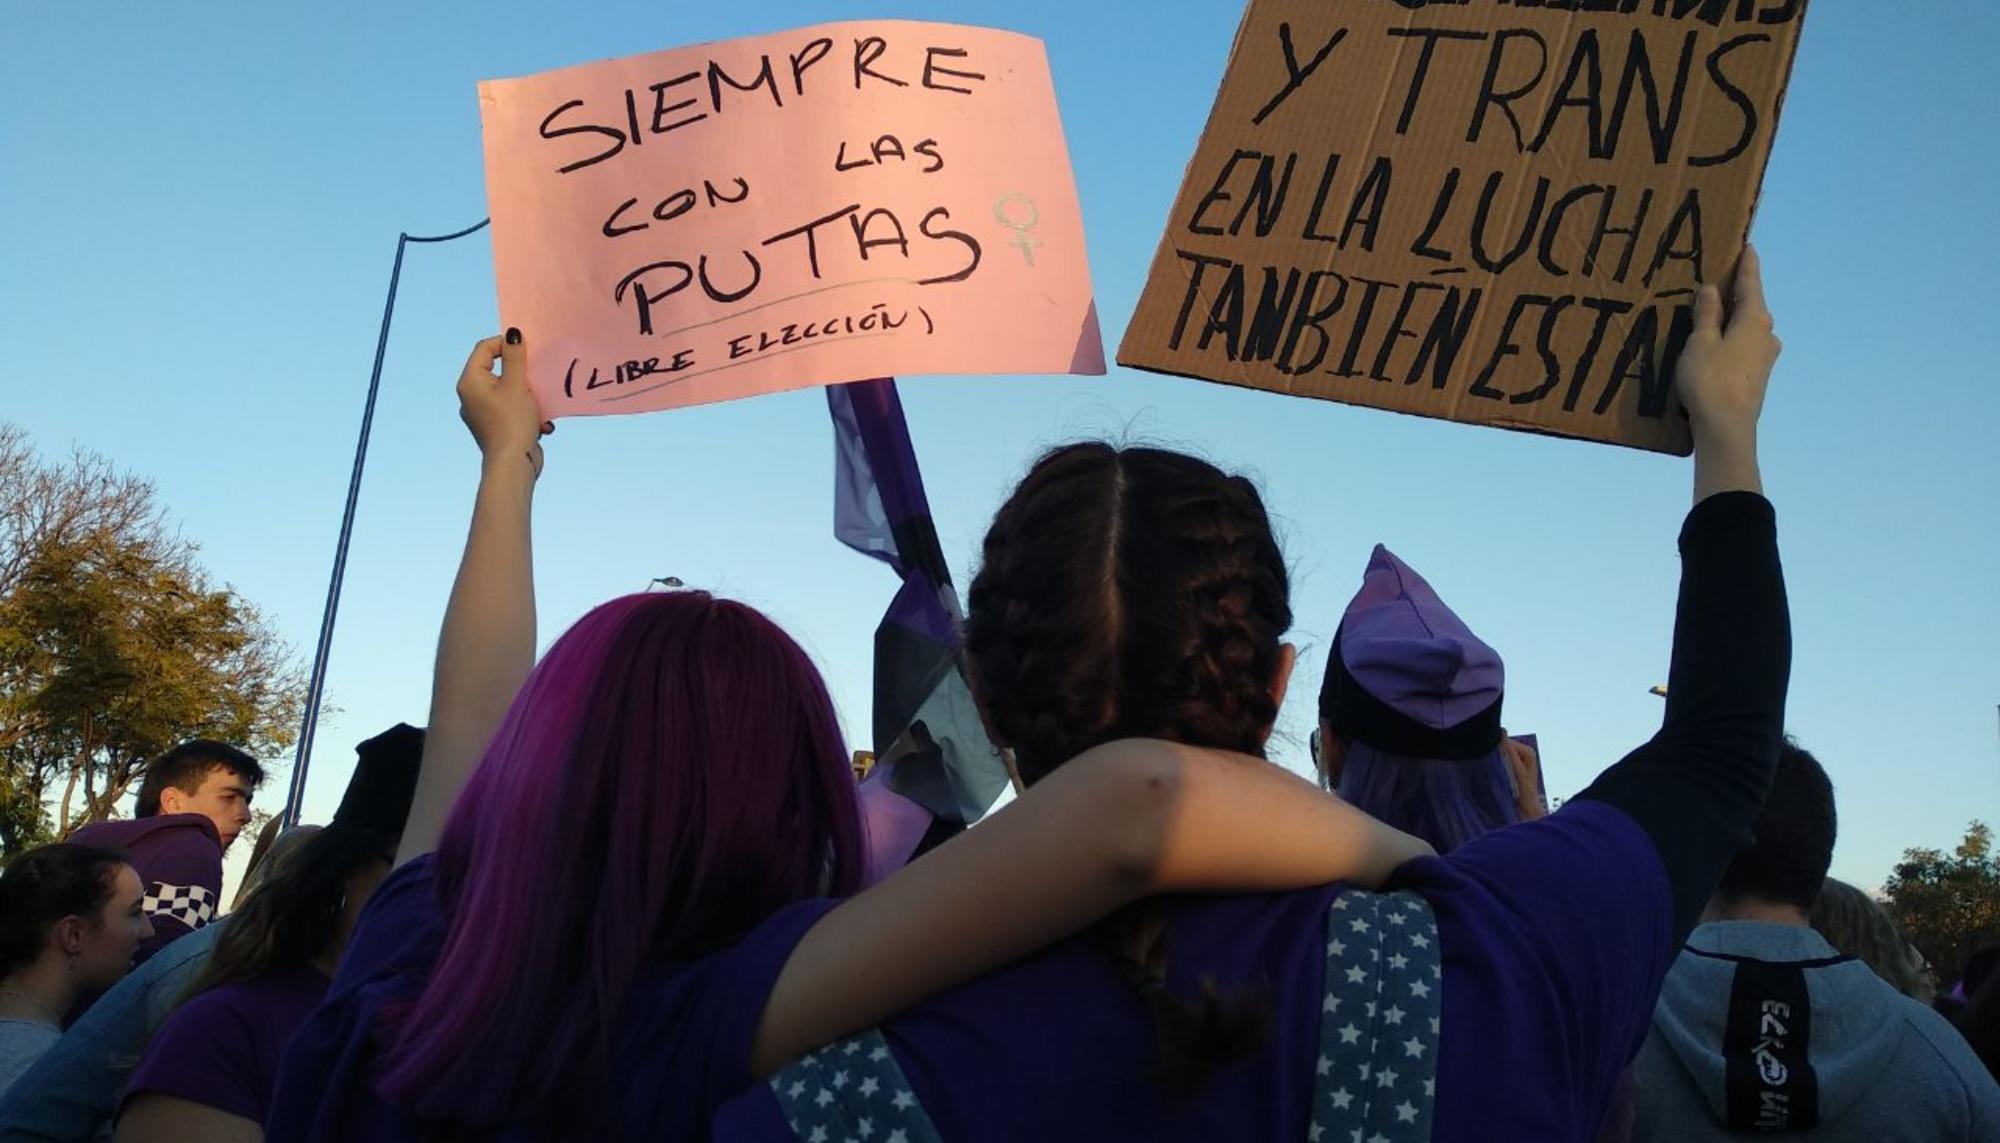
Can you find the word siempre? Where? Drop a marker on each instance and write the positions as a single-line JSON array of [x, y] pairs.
[[692, 96]]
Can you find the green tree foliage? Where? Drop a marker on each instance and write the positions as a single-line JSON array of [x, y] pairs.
[[114, 645], [1948, 904]]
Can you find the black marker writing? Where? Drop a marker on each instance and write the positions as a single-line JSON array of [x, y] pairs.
[[626, 372], [718, 87]]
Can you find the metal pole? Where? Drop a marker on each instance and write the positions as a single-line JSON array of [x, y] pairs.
[[316, 684]]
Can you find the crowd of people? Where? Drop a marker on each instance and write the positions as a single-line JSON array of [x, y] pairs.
[[624, 891]]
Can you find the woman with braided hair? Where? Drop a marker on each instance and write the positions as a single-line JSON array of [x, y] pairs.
[[1494, 992], [615, 905]]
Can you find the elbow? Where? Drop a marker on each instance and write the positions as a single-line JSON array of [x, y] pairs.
[[1142, 784]]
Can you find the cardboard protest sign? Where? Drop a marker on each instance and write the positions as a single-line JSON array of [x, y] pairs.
[[1494, 212], [823, 205]]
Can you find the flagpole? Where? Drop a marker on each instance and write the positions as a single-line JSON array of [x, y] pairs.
[[316, 683]]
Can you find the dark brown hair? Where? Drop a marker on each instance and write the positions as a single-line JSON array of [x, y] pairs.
[[1134, 593], [187, 766], [1794, 832], [294, 912], [46, 884]]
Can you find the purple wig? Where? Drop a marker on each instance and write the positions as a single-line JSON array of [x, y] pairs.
[[1445, 801], [669, 775]]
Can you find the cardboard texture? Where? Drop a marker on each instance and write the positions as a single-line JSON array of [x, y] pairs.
[[1488, 212], [822, 205]]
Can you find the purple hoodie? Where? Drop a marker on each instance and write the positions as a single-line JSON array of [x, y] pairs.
[[179, 859]]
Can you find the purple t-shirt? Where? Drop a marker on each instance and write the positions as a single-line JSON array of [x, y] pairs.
[[1555, 938], [683, 1050], [222, 1048]]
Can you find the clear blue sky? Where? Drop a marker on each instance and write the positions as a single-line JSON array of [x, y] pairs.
[[201, 202]]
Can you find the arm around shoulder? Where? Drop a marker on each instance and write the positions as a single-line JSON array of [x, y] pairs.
[[1120, 822]]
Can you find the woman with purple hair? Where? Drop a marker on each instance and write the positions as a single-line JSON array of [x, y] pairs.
[[629, 912], [1409, 716]]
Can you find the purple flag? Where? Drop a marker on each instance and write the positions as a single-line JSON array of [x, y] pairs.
[[930, 746]]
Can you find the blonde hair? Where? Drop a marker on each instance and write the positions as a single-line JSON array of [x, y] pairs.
[[274, 844], [1855, 924]]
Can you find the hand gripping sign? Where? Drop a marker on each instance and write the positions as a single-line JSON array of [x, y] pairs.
[[1491, 213], [809, 207]]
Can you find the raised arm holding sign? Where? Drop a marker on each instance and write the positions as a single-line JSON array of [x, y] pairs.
[[1490, 213]]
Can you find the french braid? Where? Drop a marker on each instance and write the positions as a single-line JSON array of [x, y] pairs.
[[1135, 593]]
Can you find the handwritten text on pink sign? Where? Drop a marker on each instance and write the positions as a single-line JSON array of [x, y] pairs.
[[803, 208]]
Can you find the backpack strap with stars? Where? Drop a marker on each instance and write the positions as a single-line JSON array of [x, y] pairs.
[[1376, 1077], [851, 1091]]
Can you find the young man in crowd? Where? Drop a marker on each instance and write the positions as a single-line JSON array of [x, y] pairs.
[[1763, 1027], [193, 802]]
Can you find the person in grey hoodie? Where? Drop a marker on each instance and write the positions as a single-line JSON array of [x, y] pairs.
[[1763, 1027]]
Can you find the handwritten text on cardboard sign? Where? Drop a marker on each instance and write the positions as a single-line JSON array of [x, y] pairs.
[[1494, 213]]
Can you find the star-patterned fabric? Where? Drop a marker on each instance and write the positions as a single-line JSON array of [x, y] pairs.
[[1546, 919], [851, 1092], [1376, 1078]]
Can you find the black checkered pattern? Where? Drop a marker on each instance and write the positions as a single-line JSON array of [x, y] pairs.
[[191, 905]]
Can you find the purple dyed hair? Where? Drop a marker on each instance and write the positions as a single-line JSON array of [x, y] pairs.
[[669, 775], [1447, 802]]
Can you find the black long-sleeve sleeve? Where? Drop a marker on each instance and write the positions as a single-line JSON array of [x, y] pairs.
[[1698, 785]]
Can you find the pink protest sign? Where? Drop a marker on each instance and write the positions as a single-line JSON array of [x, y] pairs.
[[809, 207]]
